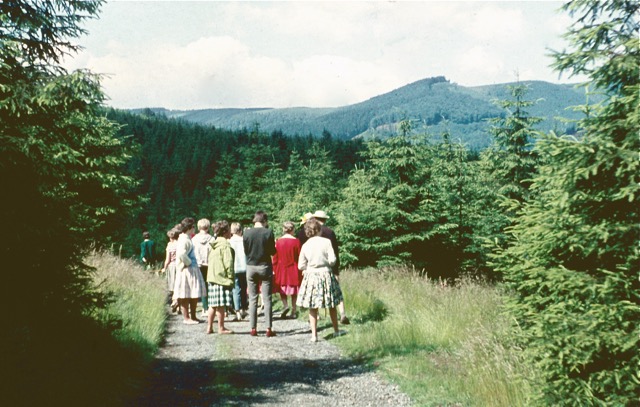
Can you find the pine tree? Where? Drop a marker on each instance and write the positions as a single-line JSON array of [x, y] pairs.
[[511, 158], [573, 262]]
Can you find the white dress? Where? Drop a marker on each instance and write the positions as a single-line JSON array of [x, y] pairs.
[[189, 283]]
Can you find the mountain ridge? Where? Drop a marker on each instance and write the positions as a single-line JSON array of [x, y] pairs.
[[434, 105]]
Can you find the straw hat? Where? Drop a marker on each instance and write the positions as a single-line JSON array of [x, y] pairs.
[[320, 215]]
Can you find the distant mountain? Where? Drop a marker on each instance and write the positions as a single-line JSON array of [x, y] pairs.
[[434, 105]]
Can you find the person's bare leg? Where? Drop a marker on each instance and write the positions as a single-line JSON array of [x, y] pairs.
[[294, 298], [334, 319], [283, 298], [313, 321], [285, 303], [220, 314], [193, 304], [210, 320], [184, 306], [343, 314]]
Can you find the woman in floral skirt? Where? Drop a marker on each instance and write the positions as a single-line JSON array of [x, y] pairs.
[[319, 287]]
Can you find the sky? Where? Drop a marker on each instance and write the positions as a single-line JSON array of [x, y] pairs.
[[240, 54]]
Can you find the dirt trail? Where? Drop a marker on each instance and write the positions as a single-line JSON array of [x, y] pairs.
[[196, 369]]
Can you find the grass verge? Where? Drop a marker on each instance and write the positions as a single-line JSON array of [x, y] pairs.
[[138, 299], [444, 345], [136, 316]]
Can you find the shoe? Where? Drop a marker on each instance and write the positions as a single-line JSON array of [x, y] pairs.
[[238, 317], [344, 320], [270, 333], [254, 332], [244, 314], [284, 313]]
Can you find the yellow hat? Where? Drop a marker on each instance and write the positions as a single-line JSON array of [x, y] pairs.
[[305, 218]]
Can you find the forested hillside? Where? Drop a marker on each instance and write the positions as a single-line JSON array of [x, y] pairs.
[[187, 169], [434, 105]]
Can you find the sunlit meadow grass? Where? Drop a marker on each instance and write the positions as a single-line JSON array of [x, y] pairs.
[[444, 345], [138, 299]]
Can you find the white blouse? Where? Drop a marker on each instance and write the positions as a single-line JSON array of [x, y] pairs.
[[317, 255]]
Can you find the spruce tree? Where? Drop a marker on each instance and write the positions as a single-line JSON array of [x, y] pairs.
[[507, 166], [60, 173], [573, 262], [386, 212]]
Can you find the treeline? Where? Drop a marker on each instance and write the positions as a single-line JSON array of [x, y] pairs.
[[186, 169]]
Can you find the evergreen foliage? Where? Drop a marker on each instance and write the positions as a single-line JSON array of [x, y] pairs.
[[413, 202], [563, 213], [381, 216], [60, 168], [187, 169], [573, 262], [511, 157], [508, 166]]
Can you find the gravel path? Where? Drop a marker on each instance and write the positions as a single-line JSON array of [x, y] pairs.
[[196, 369]]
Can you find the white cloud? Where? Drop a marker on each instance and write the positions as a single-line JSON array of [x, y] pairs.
[[496, 24], [280, 54], [479, 61]]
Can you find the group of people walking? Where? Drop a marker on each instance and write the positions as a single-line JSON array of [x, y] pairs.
[[228, 270]]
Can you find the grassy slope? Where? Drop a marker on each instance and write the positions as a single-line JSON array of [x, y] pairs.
[[442, 345]]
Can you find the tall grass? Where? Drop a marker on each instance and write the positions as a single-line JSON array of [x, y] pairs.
[[138, 299], [445, 345]]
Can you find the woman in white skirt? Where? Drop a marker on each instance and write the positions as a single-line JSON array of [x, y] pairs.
[[189, 285], [319, 287], [169, 267]]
